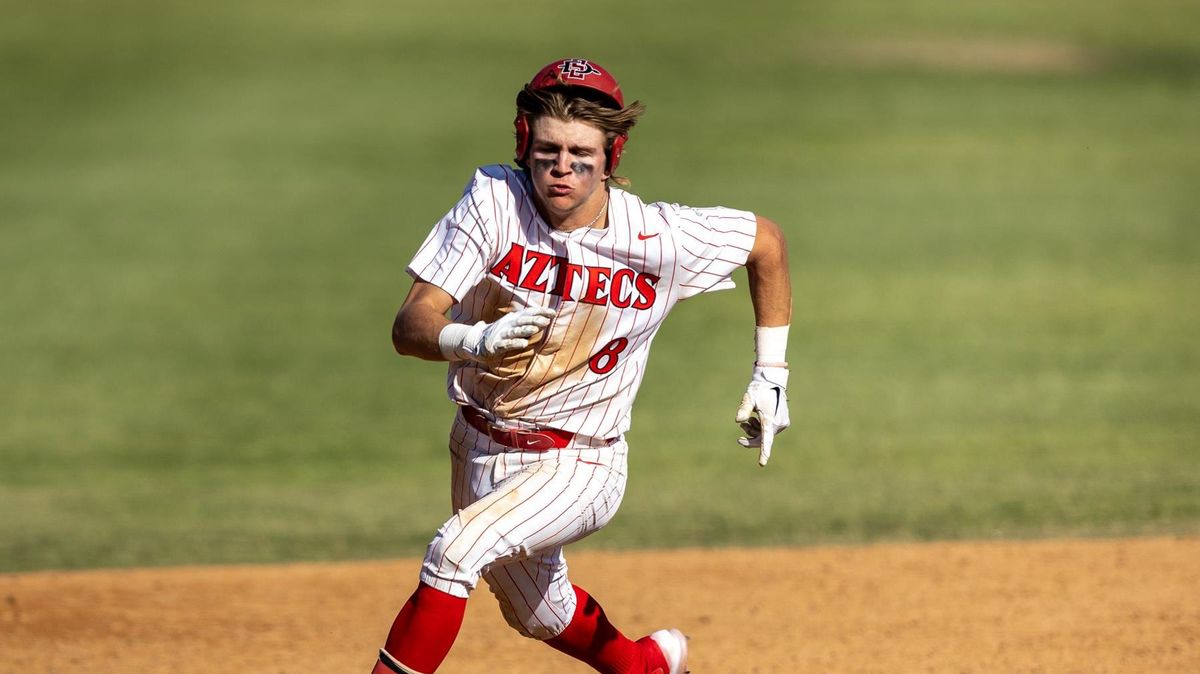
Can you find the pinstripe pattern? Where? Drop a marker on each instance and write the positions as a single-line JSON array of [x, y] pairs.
[[688, 250], [514, 512]]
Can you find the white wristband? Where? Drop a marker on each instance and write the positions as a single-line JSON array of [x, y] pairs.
[[770, 345], [451, 339]]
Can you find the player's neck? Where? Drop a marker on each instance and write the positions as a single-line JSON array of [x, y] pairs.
[[593, 213]]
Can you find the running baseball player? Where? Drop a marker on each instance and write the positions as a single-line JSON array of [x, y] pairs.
[[556, 281]]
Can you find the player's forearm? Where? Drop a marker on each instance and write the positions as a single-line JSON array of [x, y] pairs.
[[415, 332], [770, 280]]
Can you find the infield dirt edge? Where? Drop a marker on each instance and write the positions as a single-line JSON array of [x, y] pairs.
[[1109, 605]]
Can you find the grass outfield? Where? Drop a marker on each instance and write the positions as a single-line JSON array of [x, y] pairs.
[[205, 212]]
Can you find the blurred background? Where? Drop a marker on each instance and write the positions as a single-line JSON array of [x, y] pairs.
[[206, 210]]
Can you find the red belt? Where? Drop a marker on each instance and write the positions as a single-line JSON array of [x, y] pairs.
[[531, 441]]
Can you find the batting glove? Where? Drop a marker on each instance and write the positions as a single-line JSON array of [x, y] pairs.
[[764, 411], [483, 341]]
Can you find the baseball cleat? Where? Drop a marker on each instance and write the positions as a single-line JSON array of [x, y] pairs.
[[674, 648]]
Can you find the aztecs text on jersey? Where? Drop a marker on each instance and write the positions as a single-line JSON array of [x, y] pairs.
[[611, 287]]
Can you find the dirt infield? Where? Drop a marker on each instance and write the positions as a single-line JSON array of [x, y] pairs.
[[1129, 605]]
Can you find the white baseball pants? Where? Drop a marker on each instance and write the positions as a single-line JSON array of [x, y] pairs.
[[514, 510]]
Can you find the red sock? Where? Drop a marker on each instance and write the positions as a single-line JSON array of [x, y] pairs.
[[591, 638], [425, 629]]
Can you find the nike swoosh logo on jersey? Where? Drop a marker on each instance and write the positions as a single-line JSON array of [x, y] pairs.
[[643, 237]]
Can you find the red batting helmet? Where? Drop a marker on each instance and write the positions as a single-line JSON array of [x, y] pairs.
[[576, 73]]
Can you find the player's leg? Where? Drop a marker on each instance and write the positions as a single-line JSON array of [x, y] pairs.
[[492, 528], [535, 597], [517, 503], [591, 638], [539, 506], [533, 508], [539, 601], [423, 632], [427, 625]]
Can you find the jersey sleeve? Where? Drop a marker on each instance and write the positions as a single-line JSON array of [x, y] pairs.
[[711, 243], [456, 254]]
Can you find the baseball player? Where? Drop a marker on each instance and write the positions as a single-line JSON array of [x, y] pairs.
[[556, 281]]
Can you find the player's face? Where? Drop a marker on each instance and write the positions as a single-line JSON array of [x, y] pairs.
[[568, 168]]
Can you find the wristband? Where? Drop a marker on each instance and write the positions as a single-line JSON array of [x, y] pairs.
[[452, 338], [770, 346]]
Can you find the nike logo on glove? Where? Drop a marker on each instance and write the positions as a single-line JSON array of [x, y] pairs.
[[643, 237]]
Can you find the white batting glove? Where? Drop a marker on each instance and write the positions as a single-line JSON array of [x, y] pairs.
[[764, 410], [483, 341]]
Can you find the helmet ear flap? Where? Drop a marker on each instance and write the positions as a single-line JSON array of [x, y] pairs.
[[614, 155], [521, 123]]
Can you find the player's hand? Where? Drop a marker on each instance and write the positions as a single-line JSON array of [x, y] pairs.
[[511, 332], [764, 410]]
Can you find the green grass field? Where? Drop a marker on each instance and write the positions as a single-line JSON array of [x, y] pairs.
[[205, 213]]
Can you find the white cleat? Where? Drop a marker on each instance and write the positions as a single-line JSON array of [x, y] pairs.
[[674, 647]]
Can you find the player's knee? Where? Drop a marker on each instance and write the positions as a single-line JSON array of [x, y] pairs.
[[543, 619], [447, 560], [531, 623]]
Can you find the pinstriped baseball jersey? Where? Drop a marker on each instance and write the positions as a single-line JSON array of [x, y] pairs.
[[611, 287]]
